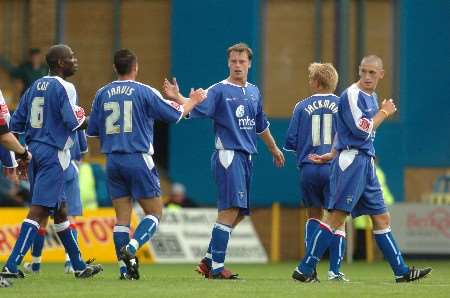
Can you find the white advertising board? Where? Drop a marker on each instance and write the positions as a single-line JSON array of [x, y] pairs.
[[183, 237], [421, 228]]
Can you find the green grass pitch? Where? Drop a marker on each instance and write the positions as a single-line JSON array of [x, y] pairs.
[[272, 280]]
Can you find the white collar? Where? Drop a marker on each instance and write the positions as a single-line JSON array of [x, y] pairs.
[[322, 94], [356, 86], [226, 82]]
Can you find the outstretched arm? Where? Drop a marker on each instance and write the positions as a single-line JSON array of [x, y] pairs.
[[172, 91], [278, 157], [195, 97]]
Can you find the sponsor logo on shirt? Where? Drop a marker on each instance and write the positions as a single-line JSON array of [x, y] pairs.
[[244, 122]]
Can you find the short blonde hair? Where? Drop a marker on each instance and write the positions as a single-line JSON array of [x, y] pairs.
[[240, 47], [325, 74]]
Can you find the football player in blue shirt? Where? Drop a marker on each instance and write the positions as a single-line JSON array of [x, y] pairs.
[[73, 203], [48, 115], [236, 108], [8, 158], [123, 114], [354, 185], [311, 132]]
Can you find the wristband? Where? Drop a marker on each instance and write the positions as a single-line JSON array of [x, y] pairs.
[[23, 156], [384, 112]]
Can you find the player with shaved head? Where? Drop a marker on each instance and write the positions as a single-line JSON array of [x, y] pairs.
[[49, 117], [354, 186]]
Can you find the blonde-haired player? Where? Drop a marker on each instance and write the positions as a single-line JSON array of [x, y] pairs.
[[311, 132]]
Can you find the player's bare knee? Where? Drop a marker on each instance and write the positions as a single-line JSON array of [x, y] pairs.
[[381, 221], [38, 213], [316, 213], [228, 216], [60, 216], [153, 206], [336, 219]]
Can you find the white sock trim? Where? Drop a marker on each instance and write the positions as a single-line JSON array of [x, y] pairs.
[[61, 226], [153, 218], [36, 260], [134, 243], [208, 256], [30, 221], [383, 231], [216, 265], [67, 257], [223, 227], [121, 229], [122, 264]]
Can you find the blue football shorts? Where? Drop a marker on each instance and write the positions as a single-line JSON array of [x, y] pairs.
[[315, 185], [46, 174], [133, 175], [354, 186], [232, 172], [72, 191]]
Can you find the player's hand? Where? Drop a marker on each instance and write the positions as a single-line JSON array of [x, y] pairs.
[[11, 175], [22, 169], [278, 157], [171, 89], [198, 95], [389, 106], [321, 159]]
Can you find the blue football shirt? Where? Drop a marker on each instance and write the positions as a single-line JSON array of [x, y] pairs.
[[47, 113], [355, 120], [237, 113], [312, 127], [123, 114], [7, 158]]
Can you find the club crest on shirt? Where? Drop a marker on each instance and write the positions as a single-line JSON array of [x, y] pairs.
[[364, 124], [175, 105], [349, 200], [4, 109]]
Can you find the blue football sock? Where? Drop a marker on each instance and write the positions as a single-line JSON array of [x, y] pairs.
[[70, 244], [219, 242], [337, 249], [36, 249], [121, 236], [319, 243], [208, 256], [28, 231], [387, 244], [73, 229], [38, 243], [143, 233], [311, 226]]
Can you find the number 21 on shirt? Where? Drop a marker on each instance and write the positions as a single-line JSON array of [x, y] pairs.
[[111, 121]]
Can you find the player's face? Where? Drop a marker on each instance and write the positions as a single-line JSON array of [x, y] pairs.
[[238, 63], [70, 63], [370, 74]]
